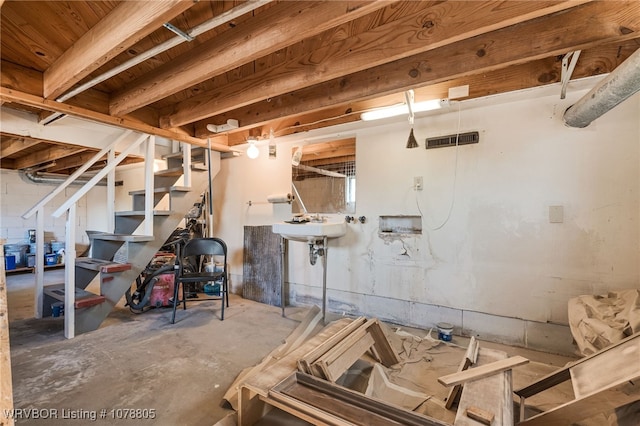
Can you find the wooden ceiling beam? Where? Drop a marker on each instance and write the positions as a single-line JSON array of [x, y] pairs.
[[250, 40], [421, 31], [29, 81], [13, 144], [10, 95], [72, 161], [593, 27], [49, 154], [127, 24]]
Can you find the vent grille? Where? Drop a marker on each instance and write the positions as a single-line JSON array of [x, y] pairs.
[[443, 141]]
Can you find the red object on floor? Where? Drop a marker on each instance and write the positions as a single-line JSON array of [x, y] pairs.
[[162, 291]]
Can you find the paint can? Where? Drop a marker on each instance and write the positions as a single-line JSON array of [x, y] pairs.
[[444, 331], [50, 259], [57, 309]]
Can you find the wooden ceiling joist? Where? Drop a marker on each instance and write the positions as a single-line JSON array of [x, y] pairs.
[[49, 154], [128, 23], [467, 61], [38, 102], [288, 66], [228, 51], [420, 33], [14, 144]]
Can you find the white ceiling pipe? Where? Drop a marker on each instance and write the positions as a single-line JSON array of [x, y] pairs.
[[212, 23], [622, 83]]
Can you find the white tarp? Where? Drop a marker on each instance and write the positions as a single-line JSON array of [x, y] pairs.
[[598, 321]]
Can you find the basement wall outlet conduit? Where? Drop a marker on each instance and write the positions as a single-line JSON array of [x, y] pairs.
[[622, 83]]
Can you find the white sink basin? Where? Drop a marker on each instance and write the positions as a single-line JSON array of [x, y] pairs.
[[309, 231]]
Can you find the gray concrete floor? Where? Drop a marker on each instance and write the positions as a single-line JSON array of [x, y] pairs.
[[138, 361], [179, 371]]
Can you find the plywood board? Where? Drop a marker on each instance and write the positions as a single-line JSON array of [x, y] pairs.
[[380, 387], [334, 367], [284, 367], [491, 394], [261, 270], [328, 399], [470, 358], [482, 371], [620, 362], [304, 363], [602, 401]]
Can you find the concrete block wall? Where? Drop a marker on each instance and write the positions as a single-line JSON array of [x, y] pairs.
[[17, 195], [547, 337]]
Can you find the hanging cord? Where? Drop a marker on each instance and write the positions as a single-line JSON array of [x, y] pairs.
[[455, 180]]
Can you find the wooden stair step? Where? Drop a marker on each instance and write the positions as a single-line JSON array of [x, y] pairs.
[[101, 265], [83, 298], [123, 237], [195, 152], [179, 171], [134, 213], [163, 189]]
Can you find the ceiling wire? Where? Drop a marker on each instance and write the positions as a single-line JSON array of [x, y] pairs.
[[455, 181]]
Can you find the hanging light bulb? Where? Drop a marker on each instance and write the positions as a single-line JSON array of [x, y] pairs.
[[252, 151]]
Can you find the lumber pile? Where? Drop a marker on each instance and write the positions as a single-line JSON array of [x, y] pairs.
[[300, 378]]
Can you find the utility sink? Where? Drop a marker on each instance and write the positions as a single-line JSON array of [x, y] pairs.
[[310, 231]]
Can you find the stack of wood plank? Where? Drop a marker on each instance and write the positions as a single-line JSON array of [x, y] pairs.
[[333, 357], [312, 395]]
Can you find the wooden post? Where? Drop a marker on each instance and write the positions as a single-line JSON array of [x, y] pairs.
[[149, 197], [6, 389], [70, 275]]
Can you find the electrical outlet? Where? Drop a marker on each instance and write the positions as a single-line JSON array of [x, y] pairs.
[[417, 183]]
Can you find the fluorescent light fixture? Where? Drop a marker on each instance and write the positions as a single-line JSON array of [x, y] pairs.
[[402, 109], [229, 125], [252, 151]]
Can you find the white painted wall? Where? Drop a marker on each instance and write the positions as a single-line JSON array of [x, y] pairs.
[[495, 266]]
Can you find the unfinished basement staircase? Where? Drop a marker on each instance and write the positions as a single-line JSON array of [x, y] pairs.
[[116, 259]]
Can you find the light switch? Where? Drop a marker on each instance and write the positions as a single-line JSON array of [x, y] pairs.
[[556, 214]]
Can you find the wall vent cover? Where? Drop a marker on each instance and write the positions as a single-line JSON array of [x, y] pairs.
[[443, 141]]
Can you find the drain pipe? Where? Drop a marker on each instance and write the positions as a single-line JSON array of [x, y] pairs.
[[620, 84], [50, 178]]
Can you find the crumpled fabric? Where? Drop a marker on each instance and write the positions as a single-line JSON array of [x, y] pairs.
[[599, 321]]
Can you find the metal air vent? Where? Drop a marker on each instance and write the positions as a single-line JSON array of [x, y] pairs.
[[462, 139]]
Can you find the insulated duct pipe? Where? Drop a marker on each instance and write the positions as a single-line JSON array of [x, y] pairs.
[[620, 84], [36, 177]]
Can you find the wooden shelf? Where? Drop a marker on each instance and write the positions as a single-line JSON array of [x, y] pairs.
[[33, 269]]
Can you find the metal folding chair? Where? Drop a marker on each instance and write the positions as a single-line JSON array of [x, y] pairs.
[[197, 263]]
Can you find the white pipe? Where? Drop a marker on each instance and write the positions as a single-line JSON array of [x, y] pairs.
[[620, 84], [163, 47]]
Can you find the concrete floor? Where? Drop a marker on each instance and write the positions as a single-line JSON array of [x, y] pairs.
[[180, 371]]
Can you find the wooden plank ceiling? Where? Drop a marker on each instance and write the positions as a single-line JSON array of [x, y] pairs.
[[289, 66]]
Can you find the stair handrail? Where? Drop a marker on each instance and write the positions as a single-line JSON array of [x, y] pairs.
[[101, 174], [44, 201]]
